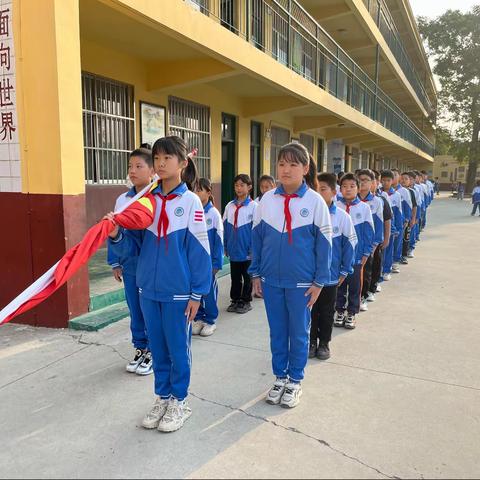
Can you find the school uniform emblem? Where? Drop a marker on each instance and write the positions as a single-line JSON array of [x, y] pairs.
[[209, 221], [179, 211], [358, 215], [250, 217], [336, 229], [304, 212]]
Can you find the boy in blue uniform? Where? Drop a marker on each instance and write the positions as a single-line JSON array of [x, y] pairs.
[[140, 172], [407, 207], [205, 321], [476, 199], [362, 219], [344, 241], [237, 223]]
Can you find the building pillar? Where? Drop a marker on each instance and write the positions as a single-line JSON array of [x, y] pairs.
[[46, 204]]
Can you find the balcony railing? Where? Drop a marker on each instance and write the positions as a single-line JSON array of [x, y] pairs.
[[286, 32], [383, 18]]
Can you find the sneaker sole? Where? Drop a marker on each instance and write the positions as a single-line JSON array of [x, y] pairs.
[[131, 369], [338, 325], [150, 426], [144, 374], [323, 358], [207, 334], [350, 327], [174, 429]]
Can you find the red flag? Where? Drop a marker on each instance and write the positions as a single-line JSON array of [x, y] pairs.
[[137, 215]]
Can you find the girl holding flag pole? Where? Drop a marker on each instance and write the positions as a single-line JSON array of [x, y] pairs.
[[291, 256], [174, 272]]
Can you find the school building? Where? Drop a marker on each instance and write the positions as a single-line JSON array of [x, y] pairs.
[[447, 170], [84, 82]]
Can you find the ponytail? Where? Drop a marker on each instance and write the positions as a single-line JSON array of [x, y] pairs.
[[311, 176], [190, 174], [205, 184]]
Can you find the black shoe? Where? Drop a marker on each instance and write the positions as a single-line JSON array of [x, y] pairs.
[[404, 261], [243, 307], [232, 307], [312, 350], [323, 351]]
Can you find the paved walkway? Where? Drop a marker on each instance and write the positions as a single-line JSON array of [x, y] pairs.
[[400, 396]]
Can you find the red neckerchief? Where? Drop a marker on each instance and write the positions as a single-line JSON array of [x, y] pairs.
[[238, 206], [288, 215], [163, 221]]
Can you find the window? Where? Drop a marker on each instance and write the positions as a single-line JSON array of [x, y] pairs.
[[320, 154], [461, 169], [257, 23], [280, 137], [444, 175], [307, 140], [355, 165], [108, 129], [255, 155], [191, 121], [280, 39]]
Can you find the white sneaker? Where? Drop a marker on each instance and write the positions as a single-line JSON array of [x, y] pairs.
[[208, 330], [378, 289], [370, 297], [387, 277], [410, 255], [350, 321], [363, 306], [339, 320], [176, 415], [291, 397], [137, 360], [395, 268], [153, 417], [197, 327], [274, 395], [146, 367]]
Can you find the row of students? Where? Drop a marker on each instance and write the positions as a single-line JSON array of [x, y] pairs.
[[302, 250]]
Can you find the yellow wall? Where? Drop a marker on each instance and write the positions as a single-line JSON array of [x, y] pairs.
[[47, 50]]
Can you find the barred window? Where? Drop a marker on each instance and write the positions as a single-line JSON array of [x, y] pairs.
[[280, 137], [307, 141], [108, 129], [191, 121]]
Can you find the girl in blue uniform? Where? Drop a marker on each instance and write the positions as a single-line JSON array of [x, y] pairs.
[[140, 173], [174, 271], [291, 256], [208, 312]]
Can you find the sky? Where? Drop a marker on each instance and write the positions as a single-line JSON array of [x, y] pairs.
[[434, 8]]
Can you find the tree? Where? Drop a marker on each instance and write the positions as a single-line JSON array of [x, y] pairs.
[[453, 41]]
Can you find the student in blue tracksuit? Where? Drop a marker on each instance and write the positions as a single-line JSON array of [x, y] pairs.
[[344, 241], [407, 207], [237, 224], [415, 234], [395, 201], [208, 312], [140, 173], [367, 178], [407, 180], [348, 296], [291, 257], [174, 271], [476, 199]]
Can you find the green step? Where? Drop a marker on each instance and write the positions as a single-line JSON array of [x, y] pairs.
[[105, 299], [98, 319]]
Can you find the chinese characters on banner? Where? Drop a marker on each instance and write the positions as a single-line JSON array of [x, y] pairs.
[[10, 176]]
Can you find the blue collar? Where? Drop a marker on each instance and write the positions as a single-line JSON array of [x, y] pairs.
[[178, 190], [355, 201], [367, 198], [300, 192], [332, 208], [131, 193], [244, 203], [207, 207]]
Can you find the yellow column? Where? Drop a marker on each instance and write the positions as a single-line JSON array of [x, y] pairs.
[[47, 38]]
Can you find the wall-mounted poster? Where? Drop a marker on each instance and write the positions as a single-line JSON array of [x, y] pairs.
[[153, 122]]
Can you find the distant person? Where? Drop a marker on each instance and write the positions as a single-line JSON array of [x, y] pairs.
[[476, 199], [460, 191]]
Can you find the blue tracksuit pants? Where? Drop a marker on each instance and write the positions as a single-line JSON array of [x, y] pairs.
[[388, 259], [137, 322], [170, 337], [208, 311], [289, 321], [350, 291], [398, 245]]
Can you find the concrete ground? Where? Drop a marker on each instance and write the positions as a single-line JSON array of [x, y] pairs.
[[400, 397]]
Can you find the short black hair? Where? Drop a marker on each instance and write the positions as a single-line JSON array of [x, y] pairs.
[[243, 177], [144, 153], [405, 173], [386, 174], [366, 172], [411, 174], [395, 170], [329, 178], [266, 178], [376, 173], [349, 176]]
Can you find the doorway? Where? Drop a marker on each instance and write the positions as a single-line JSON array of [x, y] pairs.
[[228, 157]]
